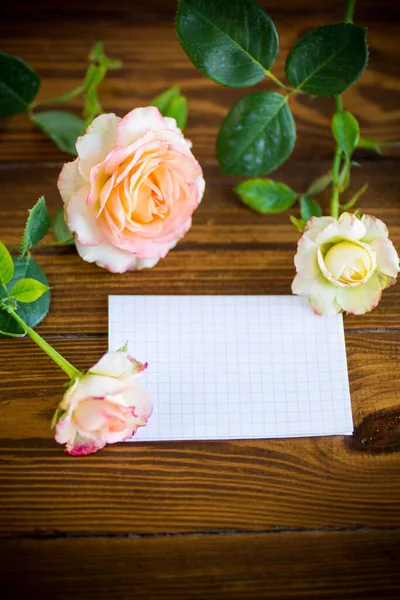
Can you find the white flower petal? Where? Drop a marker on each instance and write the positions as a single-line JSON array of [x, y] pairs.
[[348, 227], [320, 293], [81, 220], [113, 259], [113, 364], [305, 261], [374, 228], [93, 146], [315, 225], [138, 397], [170, 123], [387, 258], [97, 386], [361, 299], [135, 124], [70, 180], [201, 186]]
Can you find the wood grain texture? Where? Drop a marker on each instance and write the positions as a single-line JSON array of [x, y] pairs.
[[229, 250], [357, 565], [153, 60], [281, 519], [197, 486]]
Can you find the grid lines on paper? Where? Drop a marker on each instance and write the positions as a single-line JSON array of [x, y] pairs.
[[231, 367]]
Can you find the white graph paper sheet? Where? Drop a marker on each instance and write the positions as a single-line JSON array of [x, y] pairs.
[[230, 367]]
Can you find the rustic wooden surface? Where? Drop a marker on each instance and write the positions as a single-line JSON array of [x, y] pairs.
[[297, 518]]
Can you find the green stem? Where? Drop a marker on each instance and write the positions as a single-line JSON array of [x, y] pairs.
[[66, 366], [349, 10], [335, 184], [348, 16], [61, 98], [339, 103], [278, 82]]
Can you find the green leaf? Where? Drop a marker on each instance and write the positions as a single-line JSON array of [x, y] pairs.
[[298, 223], [36, 227], [31, 313], [319, 184], [233, 42], [172, 104], [19, 85], [364, 142], [178, 110], [266, 196], [6, 265], [346, 132], [62, 127], [355, 198], [257, 135], [60, 229], [328, 59], [162, 101], [28, 290], [309, 208]]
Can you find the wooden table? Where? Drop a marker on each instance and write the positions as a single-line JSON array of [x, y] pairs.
[[296, 518]]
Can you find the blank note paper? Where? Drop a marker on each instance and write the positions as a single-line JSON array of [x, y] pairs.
[[230, 367]]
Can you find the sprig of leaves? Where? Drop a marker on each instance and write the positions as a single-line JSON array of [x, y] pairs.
[[235, 43], [19, 85]]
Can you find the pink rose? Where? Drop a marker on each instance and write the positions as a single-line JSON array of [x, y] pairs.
[[104, 406], [130, 195]]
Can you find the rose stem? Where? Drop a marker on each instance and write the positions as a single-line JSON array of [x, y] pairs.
[[66, 366]]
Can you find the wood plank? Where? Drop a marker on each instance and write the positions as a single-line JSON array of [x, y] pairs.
[[325, 566], [52, 9], [197, 486], [154, 60], [229, 250]]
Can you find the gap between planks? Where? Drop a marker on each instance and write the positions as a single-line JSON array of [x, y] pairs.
[[196, 534]]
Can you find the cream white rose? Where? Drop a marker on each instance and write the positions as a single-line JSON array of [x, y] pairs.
[[344, 264], [104, 406]]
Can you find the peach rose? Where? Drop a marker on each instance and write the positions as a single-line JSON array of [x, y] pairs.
[[104, 406], [130, 195], [344, 264]]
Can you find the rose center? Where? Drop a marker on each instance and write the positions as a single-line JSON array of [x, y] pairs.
[[348, 263]]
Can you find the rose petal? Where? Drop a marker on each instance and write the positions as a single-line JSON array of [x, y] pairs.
[[93, 146], [138, 398], [114, 364], [374, 228], [82, 446], [315, 225], [320, 293], [135, 124], [348, 227], [113, 259], [70, 180], [81, 219], [361, 299], [171, 123], [94, 387], [305, 261], [387, 258]]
